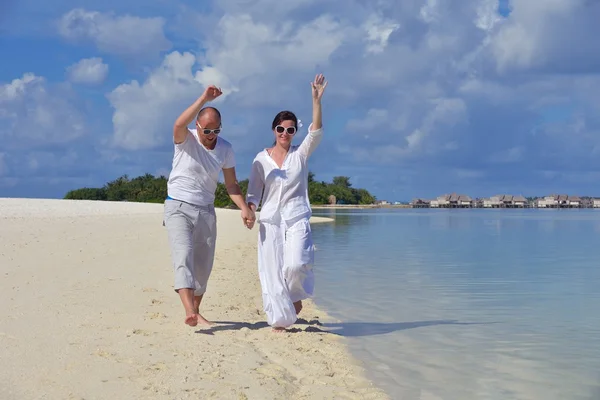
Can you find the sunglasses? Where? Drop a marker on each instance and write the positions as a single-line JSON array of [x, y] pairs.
[[290, 130], [209, 131]]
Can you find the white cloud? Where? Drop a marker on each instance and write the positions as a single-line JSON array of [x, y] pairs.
[[144, 113], [511, 155], [444, 113], [429, 11], [487, 15], [378, 33], [88, 70], [266, 48], [373, 119], [127, 36], [260, 7], [40, 126], [421, 83], [34, 113], [252, 62], [548, 33], [387, 137], [419, 67], [39, 161]]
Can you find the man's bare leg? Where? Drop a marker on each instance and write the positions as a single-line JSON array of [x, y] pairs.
[[201, 319], [187, 298], [197, 301]]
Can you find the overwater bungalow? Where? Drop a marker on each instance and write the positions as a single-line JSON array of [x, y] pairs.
[[505, 201], [420, 203], [452, 201], [560, 201], [455, 200]]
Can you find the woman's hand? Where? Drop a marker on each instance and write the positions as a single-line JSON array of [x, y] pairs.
[[248, 217], [318, 87]]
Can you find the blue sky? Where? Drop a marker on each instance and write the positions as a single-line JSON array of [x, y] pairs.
[[424, 98]]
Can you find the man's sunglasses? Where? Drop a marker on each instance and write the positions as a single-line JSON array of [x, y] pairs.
[[209, 131], [290, 130]]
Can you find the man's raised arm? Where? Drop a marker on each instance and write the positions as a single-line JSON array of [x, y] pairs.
[[180, 128]]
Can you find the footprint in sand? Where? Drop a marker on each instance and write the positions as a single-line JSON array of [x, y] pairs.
[[158, 367], [104, 354], [276, 372], [156, 301], [7, 336], [352, 396], [138, 332], [155, 315], [149, 290]]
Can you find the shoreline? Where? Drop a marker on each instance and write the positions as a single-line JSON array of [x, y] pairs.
[[357, 206], [99, 318]]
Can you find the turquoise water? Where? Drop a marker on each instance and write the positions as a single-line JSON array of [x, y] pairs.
[[466, 304]]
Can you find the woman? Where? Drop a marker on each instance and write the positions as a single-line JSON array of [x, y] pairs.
[[285, 248]]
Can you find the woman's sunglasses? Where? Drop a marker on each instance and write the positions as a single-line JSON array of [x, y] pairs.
[[290, 130]]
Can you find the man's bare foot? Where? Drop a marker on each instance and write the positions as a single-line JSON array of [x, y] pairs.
[[298, 306], [191, 319], [202, 320], [278, 330]]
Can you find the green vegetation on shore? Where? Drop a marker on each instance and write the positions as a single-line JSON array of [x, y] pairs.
[[150, 189]]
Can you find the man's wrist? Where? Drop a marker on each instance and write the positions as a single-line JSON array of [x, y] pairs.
[[243, 206]]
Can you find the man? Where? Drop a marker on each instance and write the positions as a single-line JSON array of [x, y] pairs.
[[189, 215]]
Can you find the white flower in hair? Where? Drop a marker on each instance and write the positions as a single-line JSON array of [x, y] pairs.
[[299, 123]]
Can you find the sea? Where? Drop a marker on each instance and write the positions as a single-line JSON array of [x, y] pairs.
[[466, 303]]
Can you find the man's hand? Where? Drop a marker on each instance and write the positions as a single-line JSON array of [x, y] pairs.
[[211, 93], [180, 130], [248, 217]]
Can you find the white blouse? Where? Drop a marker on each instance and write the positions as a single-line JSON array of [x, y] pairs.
[[285, 189]]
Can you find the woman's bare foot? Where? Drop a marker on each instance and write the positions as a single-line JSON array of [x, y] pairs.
[[278, 330], [298, 306]]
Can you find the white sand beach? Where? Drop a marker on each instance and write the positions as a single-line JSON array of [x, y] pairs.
[[89, 312]]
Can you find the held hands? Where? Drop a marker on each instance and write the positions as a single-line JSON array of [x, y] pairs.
[[248, 217], [318, 87], [211, 93]]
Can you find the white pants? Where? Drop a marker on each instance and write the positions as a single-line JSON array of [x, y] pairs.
[[285, 261]]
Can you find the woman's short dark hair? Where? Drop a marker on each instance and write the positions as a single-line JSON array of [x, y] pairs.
[[284, 116]]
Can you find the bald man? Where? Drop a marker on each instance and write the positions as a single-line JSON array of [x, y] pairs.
[[189, 213]]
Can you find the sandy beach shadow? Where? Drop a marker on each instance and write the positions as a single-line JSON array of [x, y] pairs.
[[347, 329], [313, 326], [232, 326]]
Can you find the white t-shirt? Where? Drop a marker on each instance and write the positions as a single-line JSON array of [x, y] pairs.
[[285, 189], [195, 171]]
